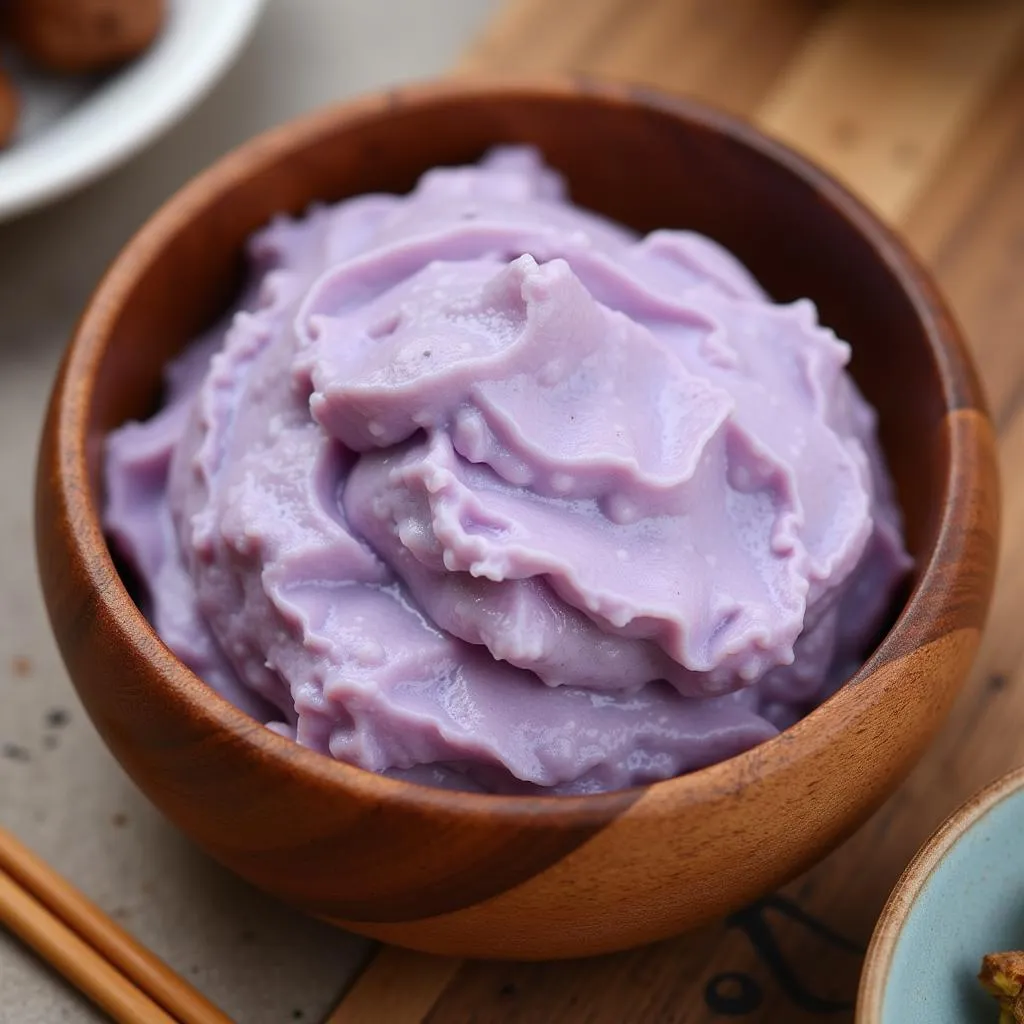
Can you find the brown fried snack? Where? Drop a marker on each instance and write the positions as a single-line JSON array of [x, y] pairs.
[[74, 36], [1002, 974], [9, 104]]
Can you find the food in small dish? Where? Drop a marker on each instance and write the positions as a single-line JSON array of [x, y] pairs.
[[9, 106], [1002, 975], [479, 489], [83, 36], [73, 37]]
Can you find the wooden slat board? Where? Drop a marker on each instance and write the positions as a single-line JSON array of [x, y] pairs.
[[919, 106]]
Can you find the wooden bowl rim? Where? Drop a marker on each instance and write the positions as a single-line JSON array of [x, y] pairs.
[[878, 959], [70, 404]]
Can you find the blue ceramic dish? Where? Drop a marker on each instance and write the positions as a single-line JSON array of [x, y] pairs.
[[961, 897]]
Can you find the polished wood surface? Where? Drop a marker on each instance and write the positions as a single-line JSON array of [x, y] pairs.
[[529, 877]]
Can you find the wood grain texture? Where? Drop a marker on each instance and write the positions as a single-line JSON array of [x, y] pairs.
[[962, 181], [528, 877], [881, 89], [398, 985], [725, 52]]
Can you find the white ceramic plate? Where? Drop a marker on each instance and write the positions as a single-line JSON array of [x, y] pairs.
[[73, 130]]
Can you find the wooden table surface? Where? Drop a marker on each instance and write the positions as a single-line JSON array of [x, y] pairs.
[[919, 106]]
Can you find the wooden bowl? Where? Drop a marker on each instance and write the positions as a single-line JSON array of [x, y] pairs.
[[516, 876]]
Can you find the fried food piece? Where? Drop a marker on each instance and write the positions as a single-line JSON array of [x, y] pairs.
[[9, 104], [1002, 974], [74, 36]]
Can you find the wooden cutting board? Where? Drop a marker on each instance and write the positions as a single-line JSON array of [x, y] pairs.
[[919, 106]]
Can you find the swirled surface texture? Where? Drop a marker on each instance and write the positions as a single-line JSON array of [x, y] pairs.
[[480, 489]]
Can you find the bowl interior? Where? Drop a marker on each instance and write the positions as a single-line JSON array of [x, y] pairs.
[[650, 165], [972, 903]]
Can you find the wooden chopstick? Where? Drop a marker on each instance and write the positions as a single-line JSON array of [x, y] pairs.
[[60, 923], [76, 960]]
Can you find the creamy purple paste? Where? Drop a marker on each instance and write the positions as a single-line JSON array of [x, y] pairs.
[[483, 490]]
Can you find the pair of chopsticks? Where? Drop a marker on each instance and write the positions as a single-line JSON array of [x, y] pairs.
[[96, 955]]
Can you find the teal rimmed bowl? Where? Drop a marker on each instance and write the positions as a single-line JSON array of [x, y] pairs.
[[961, 897]]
